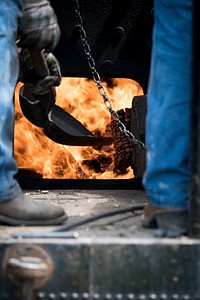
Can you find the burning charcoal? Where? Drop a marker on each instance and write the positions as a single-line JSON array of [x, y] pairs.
[[81, 174], [125, 117], [121, 114], [122, 144], [105, 162], [100, 164], [93, 165]]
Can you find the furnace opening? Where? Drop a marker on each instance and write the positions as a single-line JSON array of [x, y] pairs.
[[37, 154]]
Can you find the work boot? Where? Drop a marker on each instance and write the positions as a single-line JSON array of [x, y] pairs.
[[24, 211], [169, 222]]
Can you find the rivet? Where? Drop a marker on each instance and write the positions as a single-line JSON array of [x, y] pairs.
[[175, 279], [175, 296], [108, 296], [63, 296], [85, 295], [41, 295], [52, 296], [142, 297], [186, 297], [163, 296], [119, 296], [75, 295], [131, 296], [107, 66], [152, 296], [119, 31], [117, 35], [96, 296]]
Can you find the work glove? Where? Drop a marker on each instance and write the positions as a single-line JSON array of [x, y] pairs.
[[27, 75], [38, 27]]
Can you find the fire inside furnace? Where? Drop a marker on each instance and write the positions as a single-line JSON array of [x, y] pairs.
[[38, 154]]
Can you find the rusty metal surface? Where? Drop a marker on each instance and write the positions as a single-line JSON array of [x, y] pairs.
[[110, 259], [138, 117], [27, 261], [118, 269]]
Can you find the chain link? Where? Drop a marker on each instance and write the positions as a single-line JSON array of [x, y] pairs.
[[97, 80]]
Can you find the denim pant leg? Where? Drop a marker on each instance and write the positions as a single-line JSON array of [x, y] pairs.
[[166, 179], [9, 13]]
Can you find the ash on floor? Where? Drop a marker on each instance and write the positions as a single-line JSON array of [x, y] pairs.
[[82, 204]]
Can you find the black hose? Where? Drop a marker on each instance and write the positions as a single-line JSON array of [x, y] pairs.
[[99, 216]]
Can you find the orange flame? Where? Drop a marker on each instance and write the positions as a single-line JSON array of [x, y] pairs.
[[80, 97]]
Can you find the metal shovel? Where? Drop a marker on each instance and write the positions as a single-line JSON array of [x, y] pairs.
[[58, 125]]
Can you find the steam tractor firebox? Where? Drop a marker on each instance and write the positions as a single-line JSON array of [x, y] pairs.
[[91, 258]]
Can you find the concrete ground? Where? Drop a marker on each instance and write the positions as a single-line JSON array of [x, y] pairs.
[[81, 204]]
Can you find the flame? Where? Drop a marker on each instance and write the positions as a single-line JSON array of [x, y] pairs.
[[80, 97]]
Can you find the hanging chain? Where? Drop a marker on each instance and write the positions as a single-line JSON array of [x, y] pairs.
[[97, 80]]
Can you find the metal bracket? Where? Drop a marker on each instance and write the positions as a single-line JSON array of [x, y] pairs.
[[28, 267]]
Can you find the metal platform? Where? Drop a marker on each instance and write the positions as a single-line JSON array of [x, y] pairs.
[[112, 258]]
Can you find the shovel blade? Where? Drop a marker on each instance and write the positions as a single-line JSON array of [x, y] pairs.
[[58, 125], [67, 123]]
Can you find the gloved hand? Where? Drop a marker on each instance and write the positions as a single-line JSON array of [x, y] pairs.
[[27, 75], [38, 27]]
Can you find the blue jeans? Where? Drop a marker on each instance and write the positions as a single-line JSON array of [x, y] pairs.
[[10, 11], [166, 179]]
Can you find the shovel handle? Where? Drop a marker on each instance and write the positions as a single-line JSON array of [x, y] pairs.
[[39, 63]]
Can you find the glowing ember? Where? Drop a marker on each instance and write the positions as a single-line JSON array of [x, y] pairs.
[[78, 96]]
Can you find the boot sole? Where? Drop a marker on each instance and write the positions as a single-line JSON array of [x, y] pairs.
[[4, 220]]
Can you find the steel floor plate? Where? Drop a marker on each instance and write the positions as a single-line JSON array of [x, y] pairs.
[[112, 258]]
